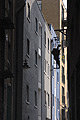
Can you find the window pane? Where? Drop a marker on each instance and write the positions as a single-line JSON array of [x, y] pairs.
[[35, 57], [45, 37], [28, 10], [28, 47], [48, 43], [35, 98], [27, 93], [36, 24], [48, 99]]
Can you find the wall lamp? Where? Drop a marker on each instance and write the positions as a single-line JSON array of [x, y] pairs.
[[25, 64], [61, 30]]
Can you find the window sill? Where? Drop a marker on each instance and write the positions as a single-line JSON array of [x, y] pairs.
[[49, 107], [35, 106], [45, 73], [28, 55], [28, 19], [45, 45], [36, 33], [48, 77], [45, 105], [27, 102], [36, 65], [49, 51]]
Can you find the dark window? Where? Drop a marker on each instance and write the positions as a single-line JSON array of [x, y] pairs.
[[48, 43], [27, 93], [36, 24], [48, 69], [52, 99], [62, 13], [48, 99], [63, 96], [45, 37], [63, 114], [62, 69], [35, 98], [62, 90], [45, 65], [9, 99], [45, 96], [58, 103], [28, 117], [35, 57], [28, 10], [28, 47], [57, 77], [63, 76]]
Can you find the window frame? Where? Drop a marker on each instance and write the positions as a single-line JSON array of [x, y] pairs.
[[28, 10], [28, 47], [36, 59], [35, 95], [27, 94]]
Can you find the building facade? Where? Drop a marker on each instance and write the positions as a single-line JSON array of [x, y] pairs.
[[11, 59], [36, 86], [54, 12], [74, 58], [55, 75]]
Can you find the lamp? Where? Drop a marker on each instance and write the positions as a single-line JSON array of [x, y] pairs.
[[25, 64]]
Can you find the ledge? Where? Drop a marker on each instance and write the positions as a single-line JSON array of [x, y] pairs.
[[28, 19], [36, 65], [28, 55], [36, 33], [27, 102], [35, 107]]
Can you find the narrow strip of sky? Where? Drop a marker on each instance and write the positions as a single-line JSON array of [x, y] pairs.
[[65, 3]]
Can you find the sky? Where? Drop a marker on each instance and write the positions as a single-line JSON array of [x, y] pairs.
[[65, 3]]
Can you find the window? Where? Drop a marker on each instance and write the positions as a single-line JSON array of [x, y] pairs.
[[63, 97], [35, 57], [28, 47], [45, 65], [27, 87], [63, 114], [58, 103], [36, 24], [44, 37], [35, 98], [45, 96], [48, 99], [28, 11], [52, 99], [62, 90], [9, 102], [48, 69], [62, 69], [48, 43], [57, 77], [63, 76], [28, 117], [62, 13]]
